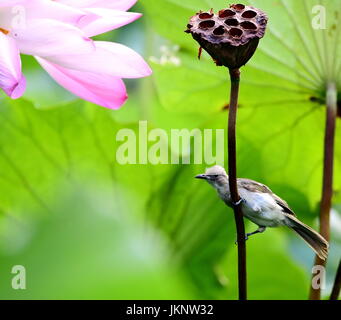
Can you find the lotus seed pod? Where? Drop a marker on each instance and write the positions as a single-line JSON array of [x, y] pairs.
[[231, 37]]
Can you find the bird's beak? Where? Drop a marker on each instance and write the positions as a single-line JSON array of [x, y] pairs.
[[201, 176]]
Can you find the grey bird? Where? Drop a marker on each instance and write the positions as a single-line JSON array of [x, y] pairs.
[[260, 205]]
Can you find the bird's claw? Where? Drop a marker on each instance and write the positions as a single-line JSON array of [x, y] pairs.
[[246, 238], [236, 204]]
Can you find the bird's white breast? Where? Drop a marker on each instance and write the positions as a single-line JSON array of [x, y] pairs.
[[261, 208]]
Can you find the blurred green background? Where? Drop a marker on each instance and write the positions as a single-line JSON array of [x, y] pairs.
[[85, 227]]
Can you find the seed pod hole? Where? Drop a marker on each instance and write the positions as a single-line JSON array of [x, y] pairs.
[[236, 33], [232, 22], [247, 25], [238, 6], [226, 13], [249, 14], [205, 15], [207, 24], [219, 31]]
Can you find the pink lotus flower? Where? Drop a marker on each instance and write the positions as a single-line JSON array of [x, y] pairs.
[[57, 34]]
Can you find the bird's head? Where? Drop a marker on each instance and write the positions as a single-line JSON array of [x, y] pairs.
[[215, 176]]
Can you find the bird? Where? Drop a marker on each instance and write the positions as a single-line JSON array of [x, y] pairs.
[[264, 208]]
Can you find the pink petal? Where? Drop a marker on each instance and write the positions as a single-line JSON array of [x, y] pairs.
[[19, 17], [42, 9], [107, 20], [121, 4], [11, 79], [106, 91], [109, 58], [10, 3], [109, 4], [44, 37]]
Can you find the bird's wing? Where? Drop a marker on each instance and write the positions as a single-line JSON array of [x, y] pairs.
[[254, 186], [284, 205]]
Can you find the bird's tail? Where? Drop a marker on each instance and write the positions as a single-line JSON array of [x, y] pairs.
[[313, 239]]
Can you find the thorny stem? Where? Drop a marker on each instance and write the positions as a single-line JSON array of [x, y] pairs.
[[232, 171], [337, 284], [328, 166]]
